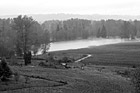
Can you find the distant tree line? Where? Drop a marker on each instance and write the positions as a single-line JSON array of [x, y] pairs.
[[82, 29]]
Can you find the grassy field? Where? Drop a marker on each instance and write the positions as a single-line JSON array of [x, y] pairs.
[[122, 54], [47, 80], [100, 75]]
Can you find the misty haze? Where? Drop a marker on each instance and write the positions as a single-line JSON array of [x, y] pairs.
[[75, 46]]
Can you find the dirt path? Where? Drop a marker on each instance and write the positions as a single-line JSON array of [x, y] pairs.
[[38, 77], [88, 55]]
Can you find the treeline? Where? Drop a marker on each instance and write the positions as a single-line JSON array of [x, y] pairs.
[[20, 34], [82, 29], [23, 33]]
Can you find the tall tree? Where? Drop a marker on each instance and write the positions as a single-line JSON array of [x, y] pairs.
[[7, 37], [103, 32], [98, 33], [45, 39], [22, 25], [126, 30]]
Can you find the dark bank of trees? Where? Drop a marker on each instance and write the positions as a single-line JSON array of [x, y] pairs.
[[21, 34], [82, 29]]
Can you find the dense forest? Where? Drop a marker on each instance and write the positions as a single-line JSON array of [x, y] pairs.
[[83, 29], [23, 33]]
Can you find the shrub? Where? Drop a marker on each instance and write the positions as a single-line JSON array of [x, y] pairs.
[[27, 79], [124, 73], [66, 60], [16, 76], [5, 71], [136, 80], [13, 60], [133, 66], [42, 64]]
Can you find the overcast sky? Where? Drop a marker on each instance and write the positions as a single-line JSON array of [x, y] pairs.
[[105, 7]]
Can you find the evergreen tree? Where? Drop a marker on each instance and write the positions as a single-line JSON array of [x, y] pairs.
[[5, 71], [103, 32], [126, 30], [98, 33]]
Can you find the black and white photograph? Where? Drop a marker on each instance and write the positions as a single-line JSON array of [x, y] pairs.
[[69, 46]]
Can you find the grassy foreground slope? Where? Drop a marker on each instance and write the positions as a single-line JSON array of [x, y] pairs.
[[89, 80]]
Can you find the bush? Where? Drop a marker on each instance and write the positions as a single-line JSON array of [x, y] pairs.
[[16, 76], [66, 60], [13, 60], [5, 71], [124, 73], [136, 80], [42, 64]]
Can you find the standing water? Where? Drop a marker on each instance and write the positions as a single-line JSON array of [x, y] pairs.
[[77, 44]]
